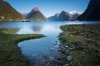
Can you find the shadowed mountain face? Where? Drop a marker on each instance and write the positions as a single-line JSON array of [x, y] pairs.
[[92, 12], [8, 13], [35, 15], [64, 16], [54, 18]]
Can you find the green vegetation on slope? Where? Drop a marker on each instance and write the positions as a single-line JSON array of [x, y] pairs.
[[38, 17], [85, 41], [8, 13], [10, 55]]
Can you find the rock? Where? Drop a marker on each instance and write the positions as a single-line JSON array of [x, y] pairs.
[[66, 65], [51, 58], [52, 49], [55, 44], [66, 46], [69, 58], [66, 52]]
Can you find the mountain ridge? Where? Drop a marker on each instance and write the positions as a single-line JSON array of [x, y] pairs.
[[65, 16], [35, 15], [92, 13], [8, 13]]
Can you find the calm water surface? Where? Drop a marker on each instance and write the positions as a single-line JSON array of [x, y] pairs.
[[42, 51]]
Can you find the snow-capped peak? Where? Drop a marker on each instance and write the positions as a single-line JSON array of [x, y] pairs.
[[75, 12]]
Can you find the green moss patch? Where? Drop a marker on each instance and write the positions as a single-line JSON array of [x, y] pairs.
[[10, 55], [85, 39]]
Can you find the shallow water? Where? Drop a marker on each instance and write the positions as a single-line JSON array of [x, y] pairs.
[[40, 52]]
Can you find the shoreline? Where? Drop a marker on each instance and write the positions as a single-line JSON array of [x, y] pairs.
[[10, 54], [80, 45]]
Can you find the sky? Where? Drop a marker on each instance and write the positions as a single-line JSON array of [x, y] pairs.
[[49, 7]]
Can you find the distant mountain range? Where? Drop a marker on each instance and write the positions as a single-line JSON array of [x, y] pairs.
[[35, 15], [8, 13], [92, 12], [65, 16]]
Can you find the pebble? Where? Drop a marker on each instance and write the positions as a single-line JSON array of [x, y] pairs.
[[69, 58]]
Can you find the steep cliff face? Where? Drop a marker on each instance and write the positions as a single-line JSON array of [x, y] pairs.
[[8, 13], [92, 12], [35, 15]]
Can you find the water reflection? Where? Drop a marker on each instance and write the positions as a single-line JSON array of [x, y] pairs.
[[37, 29], [40, 49], [29, 30], [47, 29], [25, 30]]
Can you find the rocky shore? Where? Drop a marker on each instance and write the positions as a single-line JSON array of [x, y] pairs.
[[80, 45]]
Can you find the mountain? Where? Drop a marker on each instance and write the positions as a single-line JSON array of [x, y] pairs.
[[65, 16], [35, 15], [74, 15], [24, 14], [92, 12], [54, 18], [8, 13]]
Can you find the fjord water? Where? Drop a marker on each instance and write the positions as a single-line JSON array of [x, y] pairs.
[[41, 51]]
